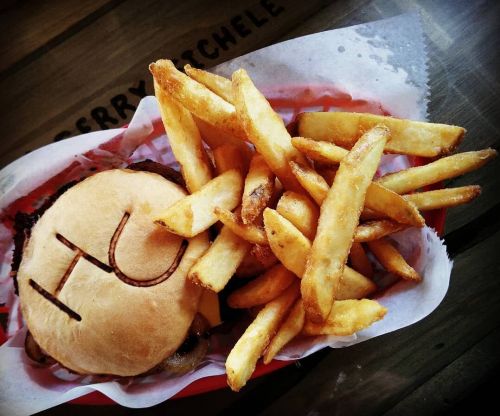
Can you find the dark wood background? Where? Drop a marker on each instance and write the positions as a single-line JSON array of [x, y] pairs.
[[71, 67]]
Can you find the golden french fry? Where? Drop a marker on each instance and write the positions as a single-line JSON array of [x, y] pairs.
[[216, 137], [218, 264], [337, 223], [300, 211], [304, 216], [195, 213], [347, 317], [392, 205], [263, 288], [288, 244], [197, 98], [320, 151], [185, 141], [448, 167], [373, 230], [377, 197], [407, 136], [370, 215], [219, 85], [291, 327], [249, 232], [392, 260], [243, 358], [360, 261], [229, 156], [265, 129], [354, 285], [443, 198], [311, 181], [259, 187], [292, 248]]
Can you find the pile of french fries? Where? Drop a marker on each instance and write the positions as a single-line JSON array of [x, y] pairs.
[[297, 214]]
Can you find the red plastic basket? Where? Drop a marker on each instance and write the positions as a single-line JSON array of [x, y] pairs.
[[289, 101]]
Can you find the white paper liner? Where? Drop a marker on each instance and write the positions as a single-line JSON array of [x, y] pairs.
[[383, 61]]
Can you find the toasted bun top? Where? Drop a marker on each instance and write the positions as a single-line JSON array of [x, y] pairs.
[[103, 289]]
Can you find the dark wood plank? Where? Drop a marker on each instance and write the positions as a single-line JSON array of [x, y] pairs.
[[463, 377], [78, 81], [34, 25]]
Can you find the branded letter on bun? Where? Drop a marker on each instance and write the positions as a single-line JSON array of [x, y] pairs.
[[103, 289]]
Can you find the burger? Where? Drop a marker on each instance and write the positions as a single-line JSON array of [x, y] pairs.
[[102, 288]]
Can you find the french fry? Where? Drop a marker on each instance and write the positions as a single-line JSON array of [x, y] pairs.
[[354, 285], [262, 289], [360, 261], [265, 129], [392, 260], [259, 187], [347, 317], [195, 213], [300, 211], [249, 232], [311, 181], [410, 179], [243, 358], [407, 137], [377, 197], [337, 223], [291, 327], [185, 141], [288, 244], [304, 216], [197, 98], [219, 85], [229, 156], [443, 198], [320, 151], [373, 230], [215, 137], [218, 264], [292, 248], [394, 206]]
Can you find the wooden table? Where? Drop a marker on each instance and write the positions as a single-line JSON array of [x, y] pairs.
[[70, 69]]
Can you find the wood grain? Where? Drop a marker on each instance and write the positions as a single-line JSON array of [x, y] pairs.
[[36, 26], [71, 63], [78, 78], [458, 380]]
